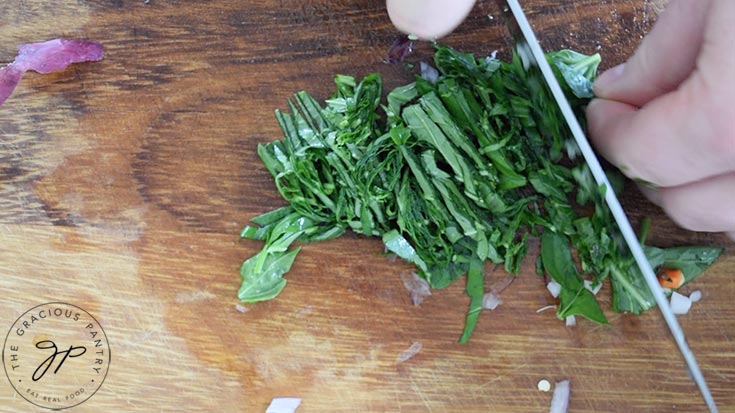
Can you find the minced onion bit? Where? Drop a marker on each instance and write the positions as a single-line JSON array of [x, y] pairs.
[[680, 304], [428, 72], [554, 288], [417, 287], [283, 405], [560, 399], [408, 354], [491, 301], [544, 308], [592, 287], [543, 385]]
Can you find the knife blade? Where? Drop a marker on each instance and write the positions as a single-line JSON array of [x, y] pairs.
[[531, 54]]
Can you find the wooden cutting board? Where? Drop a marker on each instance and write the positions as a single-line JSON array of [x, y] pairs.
[[124, 184]]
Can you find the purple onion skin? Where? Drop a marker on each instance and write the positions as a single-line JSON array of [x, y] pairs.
[[402, 47], [46, 57]]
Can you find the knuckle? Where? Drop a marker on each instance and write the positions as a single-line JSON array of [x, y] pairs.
[[718, 114]]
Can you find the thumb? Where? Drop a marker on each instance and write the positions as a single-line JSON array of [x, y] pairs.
[[428, 19], [665, 58]]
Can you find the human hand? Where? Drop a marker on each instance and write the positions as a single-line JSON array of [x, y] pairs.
[[428, 19], [667, 116]]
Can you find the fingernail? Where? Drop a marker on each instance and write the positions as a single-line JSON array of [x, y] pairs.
[[607, 79]]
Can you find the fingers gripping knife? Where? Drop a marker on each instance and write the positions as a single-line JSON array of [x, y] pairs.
[[530, 51]]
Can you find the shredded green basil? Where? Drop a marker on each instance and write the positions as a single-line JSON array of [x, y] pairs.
[[453, 174]]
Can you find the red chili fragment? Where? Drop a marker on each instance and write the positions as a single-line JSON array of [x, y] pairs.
[[46, 57], [671, 278]]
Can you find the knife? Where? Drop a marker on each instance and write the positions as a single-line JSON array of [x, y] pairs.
[[531, 54]]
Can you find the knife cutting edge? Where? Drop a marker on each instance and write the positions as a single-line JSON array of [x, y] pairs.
[[530, 51]]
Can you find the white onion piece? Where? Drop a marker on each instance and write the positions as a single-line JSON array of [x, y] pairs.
[[695, 296], [491, 301], [560, 399], [524, 51], [418, 287], [680, 304], [543, 385], [428, 72], [408, 353], [592, 287], [548, 307], [554, 288], [571, 321], [283, 405]]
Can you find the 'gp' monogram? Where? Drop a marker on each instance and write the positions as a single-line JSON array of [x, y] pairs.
[[48, 344]]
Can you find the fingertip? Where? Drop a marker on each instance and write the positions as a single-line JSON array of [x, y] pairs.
[[604, 121], [664, 59], [611, 127], [597, 117], [428, 19], [604, 86]]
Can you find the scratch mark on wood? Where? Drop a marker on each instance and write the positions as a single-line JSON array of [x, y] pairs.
[[417, 389]]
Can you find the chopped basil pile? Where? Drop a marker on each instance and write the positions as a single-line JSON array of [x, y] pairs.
[[452, 172]]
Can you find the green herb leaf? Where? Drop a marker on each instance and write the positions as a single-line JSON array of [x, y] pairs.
[[262, 275], [630, 291], [577, 70], [475, 290], [574, 298], [692, 261], [401, 247]]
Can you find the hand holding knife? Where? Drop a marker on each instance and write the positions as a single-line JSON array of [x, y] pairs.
[[429, 19], [530, 50]]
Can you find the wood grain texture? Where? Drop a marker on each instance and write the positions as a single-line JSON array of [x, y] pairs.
[[124, 184]]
